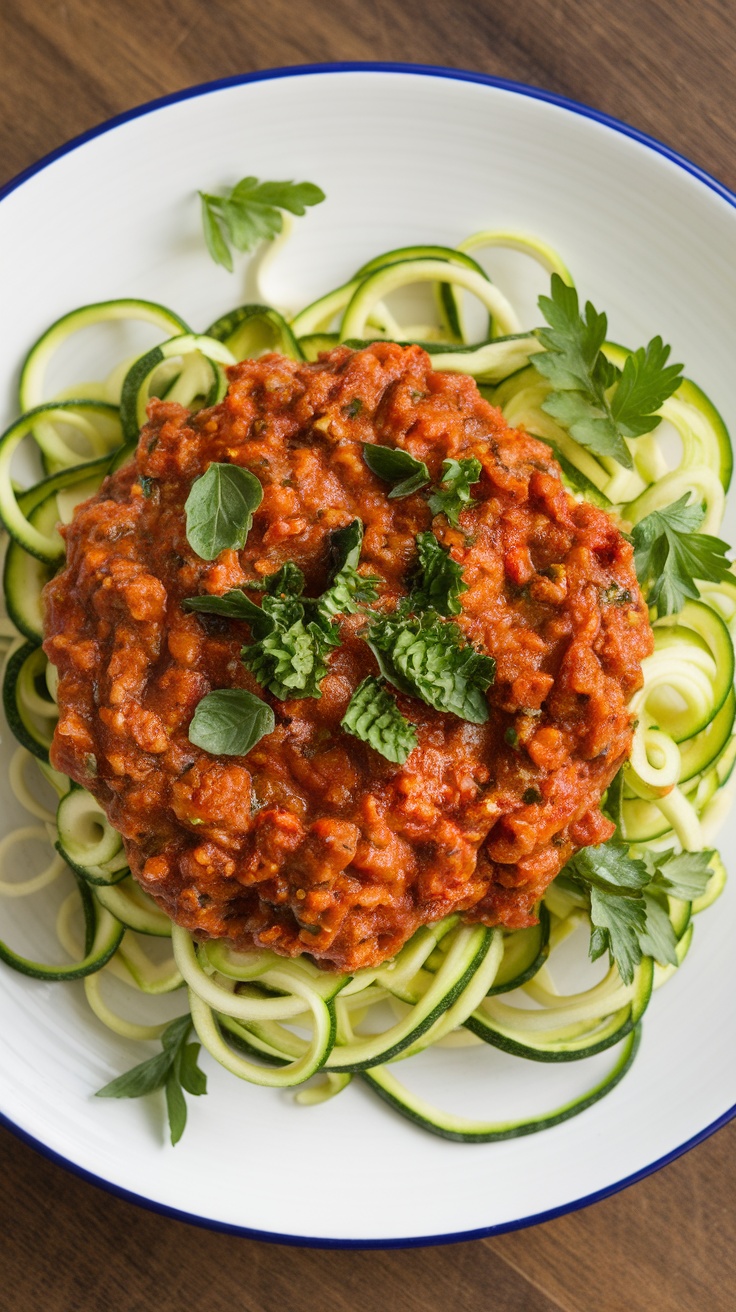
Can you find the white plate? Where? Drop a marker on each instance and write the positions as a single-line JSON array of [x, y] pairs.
[[405, 155]]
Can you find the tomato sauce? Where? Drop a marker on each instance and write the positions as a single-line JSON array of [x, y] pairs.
[[314, 843]]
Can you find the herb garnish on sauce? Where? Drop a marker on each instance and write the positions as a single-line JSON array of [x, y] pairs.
[[219, 509]]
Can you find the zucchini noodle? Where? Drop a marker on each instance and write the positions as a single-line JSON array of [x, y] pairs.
[[279, 1022]]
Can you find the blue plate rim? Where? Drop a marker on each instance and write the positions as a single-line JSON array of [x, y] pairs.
[[535, 93]]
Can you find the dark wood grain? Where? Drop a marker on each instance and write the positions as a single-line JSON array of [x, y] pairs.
[[667, 1243]]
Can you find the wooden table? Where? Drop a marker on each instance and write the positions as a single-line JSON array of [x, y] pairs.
[[665, 1244]]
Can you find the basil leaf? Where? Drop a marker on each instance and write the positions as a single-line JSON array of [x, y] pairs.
[[374, 718], [176, 1032], [219, 509], [231, 721], [234, 604], [396, 466]]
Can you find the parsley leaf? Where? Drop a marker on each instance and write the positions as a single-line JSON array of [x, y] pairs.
[[657, 939], [597, 403], [458, 476], [669, 554], [684, 874], [250, 212], [428, 658], [628, 917], [609, 867], [219, 509], [230, 721], [441, 583], [617, 924], [348, 590], [394, 465], [374, 718], [173, 1069]]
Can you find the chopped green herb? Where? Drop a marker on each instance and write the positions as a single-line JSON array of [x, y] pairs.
[[219, 509], [251, 212], [670, 554], [458, 476], [532, 797], [233, 604], [230, 721], [288, 579], [288, 654], [597, 403], [353, 408], [396, 466], [441, 583], [374, 717], [511, 737], [615, 595], [174, 1069], [349, 590], [429, 658], [146, 485]]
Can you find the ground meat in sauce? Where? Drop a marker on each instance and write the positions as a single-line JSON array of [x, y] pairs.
[[313, 842]]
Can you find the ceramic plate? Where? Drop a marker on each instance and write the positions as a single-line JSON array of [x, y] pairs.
[[405, 155]]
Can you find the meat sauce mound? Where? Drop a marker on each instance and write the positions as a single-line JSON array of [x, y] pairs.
[[313, 843]]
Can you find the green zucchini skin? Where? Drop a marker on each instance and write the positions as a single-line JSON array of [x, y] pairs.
[[536, 961], [571, 1050], [21, 727], [460, 1130], [103, 937]]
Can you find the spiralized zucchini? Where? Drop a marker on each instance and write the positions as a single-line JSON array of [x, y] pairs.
[[279, 1022]]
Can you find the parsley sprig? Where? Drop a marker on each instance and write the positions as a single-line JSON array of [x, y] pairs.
[[599, 404], [627, 908], [251, 212], [453, 495], [175, 1070], [670, 554]]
